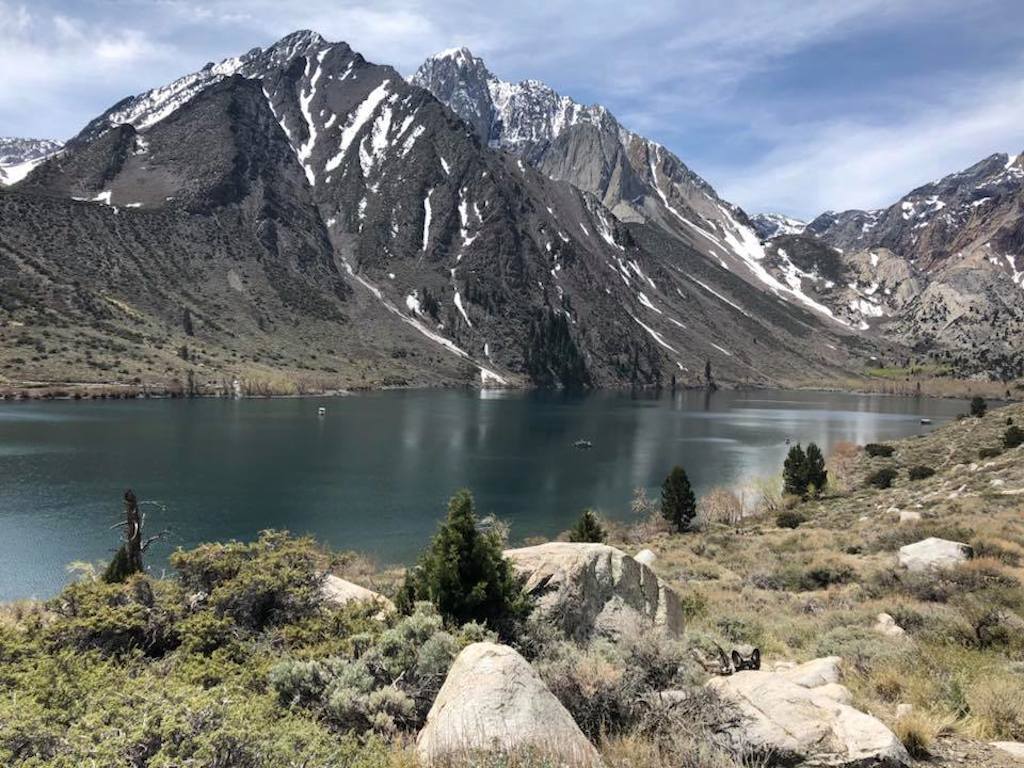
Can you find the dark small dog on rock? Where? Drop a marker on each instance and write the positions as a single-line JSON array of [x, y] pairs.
[[753, 661], [742, 658]]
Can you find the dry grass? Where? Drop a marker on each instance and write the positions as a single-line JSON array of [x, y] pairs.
[[817, 590]]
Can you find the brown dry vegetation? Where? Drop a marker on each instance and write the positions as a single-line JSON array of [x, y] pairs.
[[817, 590]]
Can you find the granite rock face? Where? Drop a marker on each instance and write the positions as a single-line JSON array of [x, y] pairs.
[[801, 714], [595, 589], [493, 701]]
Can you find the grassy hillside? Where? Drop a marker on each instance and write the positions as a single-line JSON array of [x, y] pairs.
[[817, 589]]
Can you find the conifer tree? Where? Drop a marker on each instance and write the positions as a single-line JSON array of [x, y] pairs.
[[817, 475], [588, 529], [794, 472], [465, 575], [678, 504]]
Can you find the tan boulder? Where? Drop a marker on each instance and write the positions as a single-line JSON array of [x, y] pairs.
[[809, 726], [1015, 749], [590, 589], [494, 701], [338, 591], [886, 625], [933, 553]]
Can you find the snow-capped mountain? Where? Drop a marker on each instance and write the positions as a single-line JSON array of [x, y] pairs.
[[940, 269], [635, 178], [769, 225], [972, 212], [309, 211], [19, 156]]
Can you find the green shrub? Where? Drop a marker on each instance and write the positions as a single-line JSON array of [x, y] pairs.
[[465, 575], [879, 450], [137, 615], [978, 406], [389, 686], [605, 686], [920, 472], [789, 519], [882, 478], [588, 529], [1013, 437], [989, 453]]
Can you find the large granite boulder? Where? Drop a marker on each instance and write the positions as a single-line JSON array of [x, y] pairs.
[[338, 591], [810, 724], [494, 701], [932, 553], [594, 589]]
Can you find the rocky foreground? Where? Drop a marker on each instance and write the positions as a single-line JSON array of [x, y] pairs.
[[873, 626]]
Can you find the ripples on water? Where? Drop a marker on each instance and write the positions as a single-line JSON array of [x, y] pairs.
[[375, 472]]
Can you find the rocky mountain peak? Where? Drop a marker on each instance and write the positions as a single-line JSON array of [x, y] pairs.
[[769, 225], [19, 156]]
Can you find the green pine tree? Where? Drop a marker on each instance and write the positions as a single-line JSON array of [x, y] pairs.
[[817, 475], [794, 472], [464, 574], [678, 504], [588, 529]]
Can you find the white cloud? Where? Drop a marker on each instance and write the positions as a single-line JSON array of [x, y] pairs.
[[845, 163], [663, 66]]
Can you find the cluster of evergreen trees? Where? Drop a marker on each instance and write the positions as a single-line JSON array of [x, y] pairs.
[[804, 473]]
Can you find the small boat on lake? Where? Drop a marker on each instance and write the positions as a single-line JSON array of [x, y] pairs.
[[321, 411], [583, 444], [926, 421]]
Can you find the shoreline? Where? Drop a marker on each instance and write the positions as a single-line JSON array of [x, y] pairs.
[[962, 390]]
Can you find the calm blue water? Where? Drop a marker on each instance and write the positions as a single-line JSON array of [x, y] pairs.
[[375, 473]]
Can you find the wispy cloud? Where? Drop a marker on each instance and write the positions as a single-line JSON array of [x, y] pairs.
[[848, 163], [782, 104]]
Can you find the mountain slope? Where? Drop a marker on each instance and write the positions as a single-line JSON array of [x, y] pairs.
[[637, 179], [301, 213], [941, 270]]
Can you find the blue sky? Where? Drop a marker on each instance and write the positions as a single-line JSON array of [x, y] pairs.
[[790, 105]]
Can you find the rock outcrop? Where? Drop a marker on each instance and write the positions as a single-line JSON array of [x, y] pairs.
[[809, 724], [933, 553], [594, 589], [1014, 749], [338, 591], [493, 701]]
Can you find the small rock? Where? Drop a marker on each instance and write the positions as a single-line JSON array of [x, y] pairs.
[[1013, 748], [886, 625], [933, 553], [904, 710], [893, 511], [646, 557], [909, 516], [493, 700], [998, 482]]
